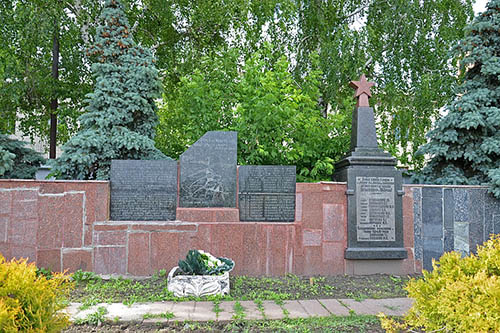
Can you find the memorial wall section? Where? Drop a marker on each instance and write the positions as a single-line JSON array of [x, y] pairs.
[[66, 225]]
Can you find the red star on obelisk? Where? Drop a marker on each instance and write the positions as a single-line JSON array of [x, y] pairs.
[[362, 90]]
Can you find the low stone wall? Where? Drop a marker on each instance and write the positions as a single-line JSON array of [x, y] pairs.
[[65, 225]]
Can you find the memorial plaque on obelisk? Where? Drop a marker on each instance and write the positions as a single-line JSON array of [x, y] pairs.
[[374, 188]]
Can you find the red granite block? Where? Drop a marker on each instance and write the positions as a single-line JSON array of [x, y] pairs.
[[408, 231], [50, 259], [290, 249], [117, 237], [279, 237], [228, 240], [73, 220], [90, 204], [187, 241], [74, 260], [334, 222], [110, 260], [5, 249], [299, 239], [51, 211], [23, 251], [408, 264], [313, 260], [24, 205], [102, 202], [139, 255], [298, 207], [5, 202], [333, 258], [227, 214], [109, 227], [51, 187], [204, 236], [336, 195], [23, 232], [250, 262], [312, 212], [87, 235], [165, 227], [311, 237], [164, 250], [418, 266], [4, 227], [308, 187]]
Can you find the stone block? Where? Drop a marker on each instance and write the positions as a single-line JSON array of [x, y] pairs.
[[143, 190], [333, 258], [23, 232], [312, 237], [139, 256], [461, 238], [165, 250], [334, 223], [74, 260], [110, 260], [117, 237], [461, 205], [208, 171], [49, 259], [5, 202], [73, 220], [417, 223], [476, 213], [4, 227], [23, 251]]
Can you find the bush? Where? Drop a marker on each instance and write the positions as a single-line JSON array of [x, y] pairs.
[[30, 301], [459, 295], [17, 161]]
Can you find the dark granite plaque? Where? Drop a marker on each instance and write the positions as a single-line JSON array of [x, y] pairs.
[[208, 171], [143, 190], [267, 193], [375, 214]]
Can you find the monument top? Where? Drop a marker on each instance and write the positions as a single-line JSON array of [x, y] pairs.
[[362, 90]]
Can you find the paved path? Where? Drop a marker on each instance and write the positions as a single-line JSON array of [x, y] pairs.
[[230, 310]]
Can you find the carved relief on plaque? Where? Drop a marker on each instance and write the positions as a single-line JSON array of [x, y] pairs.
[[375, 209]]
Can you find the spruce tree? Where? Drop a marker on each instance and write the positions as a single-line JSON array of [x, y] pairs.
[[17, 161], [465, 144], [121, 114]]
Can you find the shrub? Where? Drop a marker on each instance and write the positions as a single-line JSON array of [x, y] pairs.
[[459, 295], [30, 301]]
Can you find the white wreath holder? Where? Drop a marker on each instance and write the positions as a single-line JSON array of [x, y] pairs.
[[197, 285]]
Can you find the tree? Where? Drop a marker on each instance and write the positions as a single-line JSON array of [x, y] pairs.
[[121, 116], [43, 75], [278, 121], [464, 146], [17, 161]]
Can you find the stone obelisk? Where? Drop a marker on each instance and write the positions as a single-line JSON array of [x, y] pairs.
[[374, 188]]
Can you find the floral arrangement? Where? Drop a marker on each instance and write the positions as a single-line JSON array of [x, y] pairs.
[[199, 262]]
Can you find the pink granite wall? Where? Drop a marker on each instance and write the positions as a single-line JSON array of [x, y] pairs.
[[65, 225]]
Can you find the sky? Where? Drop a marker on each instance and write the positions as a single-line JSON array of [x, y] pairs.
[[480, 6]]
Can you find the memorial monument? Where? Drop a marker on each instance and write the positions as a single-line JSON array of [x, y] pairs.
[[374, 188]]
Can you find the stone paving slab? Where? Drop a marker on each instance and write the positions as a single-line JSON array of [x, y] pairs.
[[227, 311], [295, 309], [183, 310], [251, 310], [395, 306], [204, 311], [334, 307], [272, 310], [314, 308]]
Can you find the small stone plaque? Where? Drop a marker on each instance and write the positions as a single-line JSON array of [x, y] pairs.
[[375, 214], [267, 193], [143, 190], [208, 171]]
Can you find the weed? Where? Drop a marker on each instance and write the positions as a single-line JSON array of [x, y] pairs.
[[166, 315], [239, 311], [95, 318]]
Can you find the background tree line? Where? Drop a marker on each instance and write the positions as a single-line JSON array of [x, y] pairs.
[[276, 71]]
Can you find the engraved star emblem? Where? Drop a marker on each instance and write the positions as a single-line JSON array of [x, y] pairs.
[[362, 90]]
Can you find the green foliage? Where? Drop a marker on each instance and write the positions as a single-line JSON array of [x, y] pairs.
[[94, 318], [31, 302], [202, 263], [459, 295], [121, 115], [17, 161], [465, 144], [84, 277], [277, 118]]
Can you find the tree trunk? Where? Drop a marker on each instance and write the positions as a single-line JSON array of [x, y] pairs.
[[53, 102]]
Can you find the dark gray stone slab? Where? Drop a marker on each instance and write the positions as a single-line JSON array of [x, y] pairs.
[[267, 193], [461, 204], [491, 216], [208, 171], [143, 190], [363, 133], [496, 223], [476, 214], [417, 223], [433, 249], [449, 207], [461, 238]]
